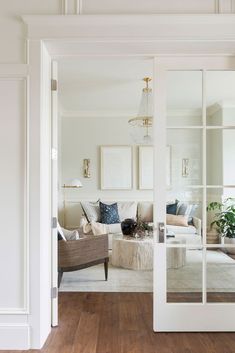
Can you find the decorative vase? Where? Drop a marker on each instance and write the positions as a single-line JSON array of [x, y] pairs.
[[232, 242], [129, 227]]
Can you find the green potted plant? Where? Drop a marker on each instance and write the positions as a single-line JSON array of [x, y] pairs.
[[224, 220]]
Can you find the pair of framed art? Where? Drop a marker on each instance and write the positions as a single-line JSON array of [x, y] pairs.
[[124, 166]]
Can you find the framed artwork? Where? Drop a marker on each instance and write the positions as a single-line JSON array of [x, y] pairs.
[[168, 166], [146, 167], [146, 164], [116, 167]]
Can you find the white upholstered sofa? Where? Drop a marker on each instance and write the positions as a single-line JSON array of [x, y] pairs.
[[144, 210]]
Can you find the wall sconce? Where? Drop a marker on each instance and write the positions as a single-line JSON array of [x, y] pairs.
[[185, 167], [86, 168]]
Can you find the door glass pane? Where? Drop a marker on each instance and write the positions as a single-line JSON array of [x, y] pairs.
[[184, 274], [184, 221], [186, 157], [220, 98], [220, 201], [184, 98], [220, 273], [221, 156]]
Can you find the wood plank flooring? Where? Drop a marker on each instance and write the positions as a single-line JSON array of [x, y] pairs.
[[122, 323]]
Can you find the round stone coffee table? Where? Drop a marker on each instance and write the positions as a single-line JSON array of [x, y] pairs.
[[134, 254]]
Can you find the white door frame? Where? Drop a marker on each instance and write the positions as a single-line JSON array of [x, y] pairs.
[[194, 316], [53, 37]]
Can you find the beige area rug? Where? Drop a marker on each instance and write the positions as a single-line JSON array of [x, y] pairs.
[[119, 280], [220, 273], [221, 277]]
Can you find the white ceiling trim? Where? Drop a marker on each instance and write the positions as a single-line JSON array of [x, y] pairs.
[[145, 27]]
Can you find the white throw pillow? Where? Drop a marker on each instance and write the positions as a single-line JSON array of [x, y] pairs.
[[60, 231], [127, 210], [71, 234], [91, 210]]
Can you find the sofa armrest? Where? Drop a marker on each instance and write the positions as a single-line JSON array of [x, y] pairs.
[[198, 225]]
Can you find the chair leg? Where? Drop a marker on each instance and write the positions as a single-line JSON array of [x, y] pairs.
[[106, 268], [60, 275]]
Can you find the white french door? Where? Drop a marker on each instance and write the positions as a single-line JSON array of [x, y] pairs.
[[194, 271], [54, 193]]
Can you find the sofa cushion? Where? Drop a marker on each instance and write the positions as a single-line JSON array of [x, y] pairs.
[[109, 213], [127, 210], [181, 230], [114, 228], [101, 228], [91, 211], [145, 211], [98, 228]]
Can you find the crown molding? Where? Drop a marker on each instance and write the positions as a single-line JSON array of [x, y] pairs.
[[97, 114], [124, 114], [146, 27]]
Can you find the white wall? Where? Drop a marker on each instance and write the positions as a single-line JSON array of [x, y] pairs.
[[81, 138]]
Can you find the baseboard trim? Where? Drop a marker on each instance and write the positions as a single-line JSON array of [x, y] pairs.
[[14, 337]]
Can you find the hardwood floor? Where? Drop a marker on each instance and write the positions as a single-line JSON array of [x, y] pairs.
[[122, 323]]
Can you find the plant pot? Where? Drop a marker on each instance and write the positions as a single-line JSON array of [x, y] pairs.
[[232, 242], [129, 227]]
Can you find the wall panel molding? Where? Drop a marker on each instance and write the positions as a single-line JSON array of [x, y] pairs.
[[148, 7], [19, 73], [225, 6]]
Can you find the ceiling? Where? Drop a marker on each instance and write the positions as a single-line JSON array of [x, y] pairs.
[[102, 85], [113, 86]]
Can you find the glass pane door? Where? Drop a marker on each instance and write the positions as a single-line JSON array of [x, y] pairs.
[[195, 261]]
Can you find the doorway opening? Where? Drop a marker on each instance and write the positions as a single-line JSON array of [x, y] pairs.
[[105, 175]]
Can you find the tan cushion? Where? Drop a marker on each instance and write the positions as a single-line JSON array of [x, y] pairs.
[[127, 210], [145, 211], [177, 220]]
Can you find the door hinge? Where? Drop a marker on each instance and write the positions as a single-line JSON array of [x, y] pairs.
[[54, 85], [54, 154], [54, 222], [54, 292]]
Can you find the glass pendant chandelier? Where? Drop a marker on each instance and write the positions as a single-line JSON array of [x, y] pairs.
[[143, 122]]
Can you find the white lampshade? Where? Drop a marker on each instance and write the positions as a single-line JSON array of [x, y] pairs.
[[73, 183]]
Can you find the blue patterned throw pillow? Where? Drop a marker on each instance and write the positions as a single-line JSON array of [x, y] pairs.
[[109, 213], [172, 208]]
